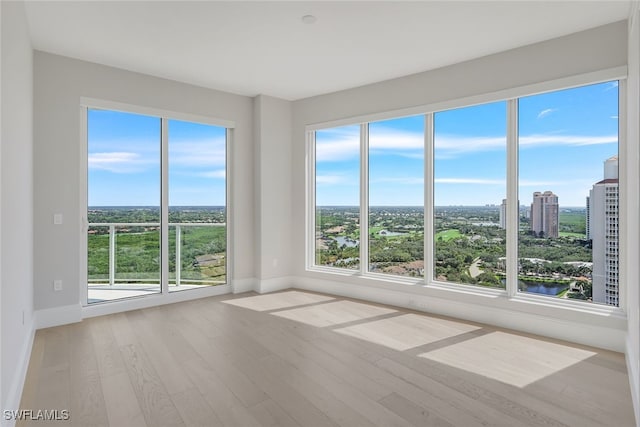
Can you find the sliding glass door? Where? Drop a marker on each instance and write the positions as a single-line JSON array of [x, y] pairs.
[[156, 205]]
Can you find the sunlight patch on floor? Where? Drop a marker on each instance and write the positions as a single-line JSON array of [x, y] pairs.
[[407, 331], [278, 300], [333, 313], [509, 358]]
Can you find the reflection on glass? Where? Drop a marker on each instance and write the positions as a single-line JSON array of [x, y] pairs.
[[337, 182], [469, 188], [197, 205], [568, 186], [396, 197], [123, 238]]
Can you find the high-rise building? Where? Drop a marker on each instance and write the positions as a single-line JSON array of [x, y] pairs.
[[588, 217], [602, 229], [503, 214], [545, 214]]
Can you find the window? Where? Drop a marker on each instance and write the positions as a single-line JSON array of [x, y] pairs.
[[521, 196], [568, 185], [396, 218], [470, 152], [156, 205], [337, 195]]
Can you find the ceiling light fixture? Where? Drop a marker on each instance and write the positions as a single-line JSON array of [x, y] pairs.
[[309, 19]]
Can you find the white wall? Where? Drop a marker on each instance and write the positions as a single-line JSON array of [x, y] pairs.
[[633, 211], [589, 51], [16, 202], [59, 83], [272, 139]]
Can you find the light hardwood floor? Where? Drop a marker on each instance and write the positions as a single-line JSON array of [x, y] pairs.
[[302, 359]]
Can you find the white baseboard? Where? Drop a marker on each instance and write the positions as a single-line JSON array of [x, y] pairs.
[[244, 285], [491, 310], [633, 369], [12, 402], [49, 317], [275, 284], [262, 286]]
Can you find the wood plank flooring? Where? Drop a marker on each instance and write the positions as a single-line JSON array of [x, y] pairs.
[[302, 359]]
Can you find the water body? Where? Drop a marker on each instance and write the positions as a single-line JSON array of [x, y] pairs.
[[390, 233], [553, 288], [342, 240]]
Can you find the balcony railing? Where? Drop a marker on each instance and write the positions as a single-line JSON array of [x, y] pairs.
[[178, 278]]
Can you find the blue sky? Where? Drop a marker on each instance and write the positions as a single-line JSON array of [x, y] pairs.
[[124, 161], [565, 137]]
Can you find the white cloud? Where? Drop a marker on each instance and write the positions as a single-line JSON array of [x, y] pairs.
[[447, 146], [113, 155], [569, 183], [117, 162], [611, 85], [345, 144], [337, 144], [197, 152], [470, 181], [337, 150], [613, 117], [221, 173], [388, 139], [418, 156], [544, 113], [341, 145], [568, 140], [407, 180]]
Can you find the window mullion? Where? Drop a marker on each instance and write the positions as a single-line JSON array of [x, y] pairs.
[[84, 180], [364, 198], [627, 201], [429, 232], [513, 215], [312, 210], [164, 207]]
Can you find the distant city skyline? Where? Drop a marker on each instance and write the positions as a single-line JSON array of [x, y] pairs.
[[565, 137]]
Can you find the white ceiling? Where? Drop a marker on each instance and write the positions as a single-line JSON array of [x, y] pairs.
[[252, 48]]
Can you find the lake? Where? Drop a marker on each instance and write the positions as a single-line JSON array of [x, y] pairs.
[[342, 240], [552, 288]]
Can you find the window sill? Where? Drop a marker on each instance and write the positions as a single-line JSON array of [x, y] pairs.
[[421, 295]]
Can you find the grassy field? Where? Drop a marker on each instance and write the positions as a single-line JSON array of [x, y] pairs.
[[567, 234], [138, 255], [573, 223], [447, 235]]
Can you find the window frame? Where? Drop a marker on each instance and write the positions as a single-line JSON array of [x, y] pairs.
[[164, 116], [510, 96]]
